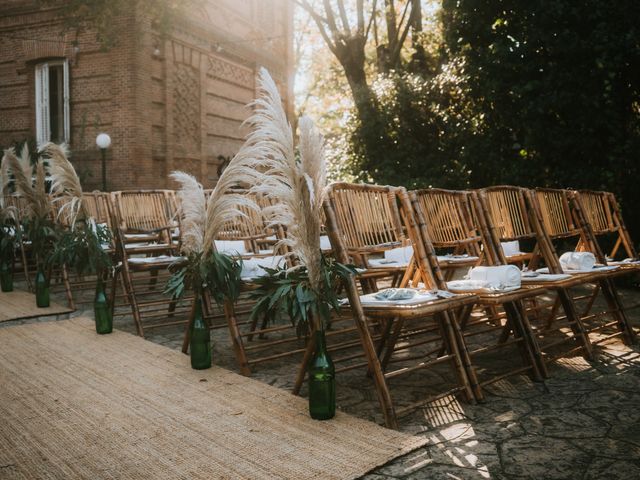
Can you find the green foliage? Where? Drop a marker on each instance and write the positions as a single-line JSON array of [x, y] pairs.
[[282, 293], [418, 132], [81, 249], [42, 234], [541, 93], [218, 273], [10, 238]]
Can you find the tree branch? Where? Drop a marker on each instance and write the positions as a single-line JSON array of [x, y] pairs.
[[343, 16], [320, 22]]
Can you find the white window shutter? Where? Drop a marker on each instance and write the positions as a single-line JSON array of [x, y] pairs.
[[65, 80], [43, 133]]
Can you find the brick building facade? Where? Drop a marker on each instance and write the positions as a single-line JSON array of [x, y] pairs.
[[169, 101]]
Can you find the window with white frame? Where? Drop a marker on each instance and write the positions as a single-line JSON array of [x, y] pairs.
[[52, 101]]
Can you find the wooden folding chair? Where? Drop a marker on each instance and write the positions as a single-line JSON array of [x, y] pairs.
[[514, 213], [367, 224], [77, 287], [605, 218], [500, 319], [146, 248], [572, 223]]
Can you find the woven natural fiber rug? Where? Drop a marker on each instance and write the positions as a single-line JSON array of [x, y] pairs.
[[74, 404], [19, 304]]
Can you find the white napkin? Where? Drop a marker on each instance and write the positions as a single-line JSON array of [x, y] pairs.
[[158, 259], [400, 255], [511, 248], [251, 266], [230, 247], [500, 277], [577, 261], [325, 243]]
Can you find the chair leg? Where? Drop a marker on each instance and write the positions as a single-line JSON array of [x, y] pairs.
[[575, 323], [131, 297], [236, 338], [452, 343], [617, 310], [67, 287], [302, 369], [529, 346], [380, 382], [464, 351]]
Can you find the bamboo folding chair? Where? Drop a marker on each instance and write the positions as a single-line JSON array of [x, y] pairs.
[[368, 223], [450, 225], [96, 205], [371, 225], [146, 248], [563, 218], [513, 213], [605, 218], [500, 319]]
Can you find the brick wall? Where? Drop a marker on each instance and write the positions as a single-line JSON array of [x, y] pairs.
[[181, 109]]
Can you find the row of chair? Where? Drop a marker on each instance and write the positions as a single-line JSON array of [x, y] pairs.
[[471, 229], [421, 239]]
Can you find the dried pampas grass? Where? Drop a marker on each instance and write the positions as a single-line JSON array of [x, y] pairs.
[[65, 184], [193, 212], [296, 187], [35, 196], [224, 206]]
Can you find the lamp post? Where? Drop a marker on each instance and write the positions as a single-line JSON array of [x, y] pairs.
[[103, 141]]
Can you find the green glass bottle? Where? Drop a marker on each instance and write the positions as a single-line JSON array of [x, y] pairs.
[[42, 289], [200, 341], [101, 310], [6, 277], [322, 381]]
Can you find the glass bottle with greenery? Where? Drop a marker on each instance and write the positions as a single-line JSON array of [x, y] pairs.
[[37, 217], [295, 182], [82, 246], [203, 270]]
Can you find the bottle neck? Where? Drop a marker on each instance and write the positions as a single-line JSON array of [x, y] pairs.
[[320, 340]]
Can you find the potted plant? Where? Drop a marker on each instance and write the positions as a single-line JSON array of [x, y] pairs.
[[81, 243], [38, 225], [204, 269], [306, 291]]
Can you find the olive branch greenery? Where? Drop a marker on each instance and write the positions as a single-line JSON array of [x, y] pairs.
[[290, 292], [216, 272]]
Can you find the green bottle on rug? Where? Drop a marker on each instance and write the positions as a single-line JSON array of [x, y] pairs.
[[200, 340], [6, 277], [102, 310], [322, 381], [42, 289]]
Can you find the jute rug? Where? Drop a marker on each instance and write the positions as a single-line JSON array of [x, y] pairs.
[[20, 304], [74, 404]]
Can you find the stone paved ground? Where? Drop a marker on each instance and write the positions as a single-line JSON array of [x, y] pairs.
[[581, 423]]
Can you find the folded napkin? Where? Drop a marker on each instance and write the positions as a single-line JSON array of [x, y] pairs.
[[577, 261], [400, 255], [400, 296], [511, 248], [396, 294], [231, 247], [500, 277], [252, 267], [325, 244], [158, 259]]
